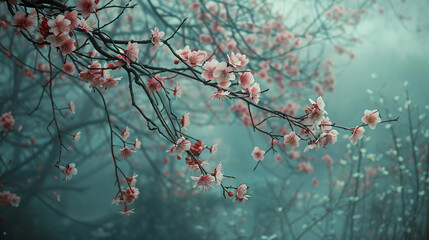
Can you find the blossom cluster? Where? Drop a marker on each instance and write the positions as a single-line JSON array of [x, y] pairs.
[[9, 199]]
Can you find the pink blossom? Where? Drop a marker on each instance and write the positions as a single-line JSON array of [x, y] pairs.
[[357, 134], [76, 136], [197, 58], [126, 152], [204, 182], [220, 94], [110, 82], [137, 144], [59, 25], [218, 175], [183, 53], [306, 167], [315, 113], [155, 85], [68, 68], [67, 46], [58, 40], [127, 212], [9, 199], [325, 124], [125, 133], [255, 92], [130, 194], [86, 7], [186, 120], [258, 154], [315, 182], [371, 118], [7, 121], [73, 18], [233, 60], [223, 74], [327, 137], [25, 22], [209, 68], [180, 147], [92, 73], [177, 92], [156, 38], [132, 52], [213, 148], [246, 79], [327, 159], [293, 154], [292, 140], [243, 60], [85, 25], [278, 158], [71, 107], [241, 194], [68, 171]]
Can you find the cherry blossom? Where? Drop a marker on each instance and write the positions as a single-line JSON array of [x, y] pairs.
[[133, 180], [68, 68], [58, 40], [327, 159], [325, 125], [126, 152], [223, 74], [243, 60], [125, 133], [7, 121], [73, 18], [9, 199], [132, 52], [137, 143], [155, 85], [127, 212], [233, 60], [292, 140], [255, 92], [315, 113], [197, 148], [130, 194], [209, 68], [183, 53], [306, 167], [218, 175], [315, 182], [213, 148], [258, 154], [59, 25], [177, 92], [327, 137], [68, 171], [197, 58], [204, 182], [241, 194], [246, 79], [71, 107], [180, 147], [371, 118], [357, 134], [86, 7], [76, 136], [156, 38], [23, 21], [68, 46], [220, 94], [186, 120]]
